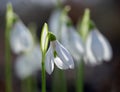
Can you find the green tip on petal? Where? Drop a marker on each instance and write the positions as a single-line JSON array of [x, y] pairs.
[[44, 38], [83, 26], [52, 37]]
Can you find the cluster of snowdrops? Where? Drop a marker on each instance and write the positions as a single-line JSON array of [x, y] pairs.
[[61, 44]]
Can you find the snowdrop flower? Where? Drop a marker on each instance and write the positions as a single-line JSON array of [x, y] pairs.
[[72, 40], [57, 21], [20, 38], [54, 22], [97, 48], [28, 64], [66, 34], [59, 55]]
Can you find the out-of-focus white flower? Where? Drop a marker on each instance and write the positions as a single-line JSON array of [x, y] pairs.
[[20, 38], [59, 55], [97, 48], [28, 64], [73, 42], [66, 34], [54, 23]]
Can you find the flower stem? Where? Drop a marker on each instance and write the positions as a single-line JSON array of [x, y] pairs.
[[29, 85], [59, 81], [34, 86], [80, 78], [43, 74], [83, 28], [8, 74], [8, 70]]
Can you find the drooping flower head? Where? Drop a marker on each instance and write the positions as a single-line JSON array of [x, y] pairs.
[[20, 38], [97, 48], [56, 53], [59, 55], [61, 26], [28, 64]]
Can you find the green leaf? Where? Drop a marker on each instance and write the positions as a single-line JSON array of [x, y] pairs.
[[83, 26], [44, 38]]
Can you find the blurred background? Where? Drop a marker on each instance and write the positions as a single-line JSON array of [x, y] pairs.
[[105, 14]]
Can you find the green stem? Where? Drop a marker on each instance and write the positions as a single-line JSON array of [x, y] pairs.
[[80, 78], [59, 81], [8, 74], [43, 74], [8, 69], [23, 86], [83, 28], [34, 82], [28, 85]]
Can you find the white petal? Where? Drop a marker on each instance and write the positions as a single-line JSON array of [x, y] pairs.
[[63, 54], [72, 40], [23, 67], [77, 41], [29, 63], [36, 55], [54, 22], [60, 64], [96, 46], [89, 53], [49, 62], [20, 38], [107, 55]]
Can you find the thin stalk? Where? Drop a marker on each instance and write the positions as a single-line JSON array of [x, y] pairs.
[[34, 84], [23, 86], [43, 74], [59, 81], [80, 78], [63, 81], [27, 85], [8, 75], [8, 70], [83, 28]]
